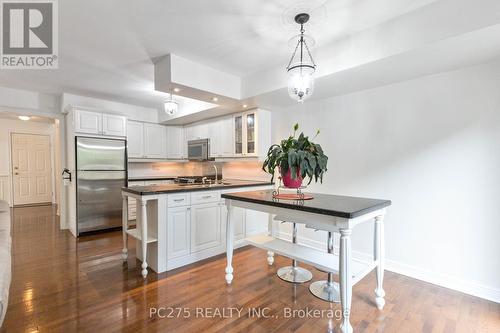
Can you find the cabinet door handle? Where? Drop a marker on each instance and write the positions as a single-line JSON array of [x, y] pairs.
[[178, 200], [206, 197]]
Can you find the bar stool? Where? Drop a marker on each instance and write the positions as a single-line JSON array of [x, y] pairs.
[[327, 290], [294, 273]]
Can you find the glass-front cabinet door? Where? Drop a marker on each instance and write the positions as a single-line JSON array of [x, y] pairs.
[[238, 135], [250, 133], [245, 134]]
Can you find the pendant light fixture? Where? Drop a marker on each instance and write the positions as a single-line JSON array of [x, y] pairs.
[[301, 67], [170, 105]]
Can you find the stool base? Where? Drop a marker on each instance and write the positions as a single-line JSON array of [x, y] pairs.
[[326, 291], [294, 274]]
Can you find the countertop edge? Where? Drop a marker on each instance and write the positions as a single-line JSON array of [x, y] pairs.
[[383, 204], [195, 189]]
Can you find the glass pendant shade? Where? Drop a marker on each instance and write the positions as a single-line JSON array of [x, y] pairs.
[[171, 107], [300, 82]]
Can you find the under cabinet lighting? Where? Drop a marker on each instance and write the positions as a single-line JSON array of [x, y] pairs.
[[24, 118]]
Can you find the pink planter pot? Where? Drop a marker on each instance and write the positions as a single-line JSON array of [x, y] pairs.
[[289, 182]]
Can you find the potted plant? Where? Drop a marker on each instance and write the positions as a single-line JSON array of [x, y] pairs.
[[295, 159]]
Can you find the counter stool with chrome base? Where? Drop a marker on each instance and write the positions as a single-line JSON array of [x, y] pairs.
[[294, 273], [327, 290]]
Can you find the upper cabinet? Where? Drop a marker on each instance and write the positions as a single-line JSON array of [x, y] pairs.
[[221, 137], [146, 140], [252, 133], [246, 134], [88, 122], [155, 141], [176, 143], [114, 125], [97, 123], [135, 139]]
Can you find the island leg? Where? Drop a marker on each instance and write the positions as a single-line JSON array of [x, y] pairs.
[[271, 232], [345, 279], [379, 257], [144, 237], [229, 242], [125, 226]]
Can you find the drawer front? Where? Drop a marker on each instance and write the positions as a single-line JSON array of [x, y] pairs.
[[205, 197], [180, 199]]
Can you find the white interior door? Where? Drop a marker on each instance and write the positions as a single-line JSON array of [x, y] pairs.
[[31, 169]]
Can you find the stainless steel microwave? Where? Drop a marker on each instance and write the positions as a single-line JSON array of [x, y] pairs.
[[199, 150]]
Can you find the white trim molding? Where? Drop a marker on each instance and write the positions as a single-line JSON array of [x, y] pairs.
[[442, 280]]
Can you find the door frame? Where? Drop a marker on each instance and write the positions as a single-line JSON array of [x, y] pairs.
[[52, 165]]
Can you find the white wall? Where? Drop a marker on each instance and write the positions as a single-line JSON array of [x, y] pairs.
[[432, 146]]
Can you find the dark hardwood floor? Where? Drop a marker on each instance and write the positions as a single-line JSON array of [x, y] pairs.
[[61, 284]]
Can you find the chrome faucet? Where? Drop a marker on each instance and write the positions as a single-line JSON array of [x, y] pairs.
[[216, 172]]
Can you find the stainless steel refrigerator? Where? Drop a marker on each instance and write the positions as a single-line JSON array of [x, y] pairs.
[[101, 172]]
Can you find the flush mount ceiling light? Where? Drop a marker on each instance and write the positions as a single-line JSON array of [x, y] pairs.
[[301, 67], [170, 105], [24, 118]]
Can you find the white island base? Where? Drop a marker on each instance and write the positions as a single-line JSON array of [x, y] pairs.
[[181, 228]]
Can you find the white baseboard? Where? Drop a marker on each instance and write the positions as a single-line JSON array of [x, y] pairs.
[[447, 281]]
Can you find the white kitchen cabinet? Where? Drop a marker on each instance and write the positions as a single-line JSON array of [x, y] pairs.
[[154, 141], [92, 122], [88, 122], [226, 133], [176, 142], [178, 232], [135, 139], [197, 131], [206, 231], [220, 133], [114, 125], [146, 140], [252, 133], [215, 137]]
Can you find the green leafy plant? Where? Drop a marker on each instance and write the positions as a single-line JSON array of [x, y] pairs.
[[297, 153]]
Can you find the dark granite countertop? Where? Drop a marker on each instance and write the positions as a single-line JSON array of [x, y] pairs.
[[325, 204], [145, 178], [173, 188]]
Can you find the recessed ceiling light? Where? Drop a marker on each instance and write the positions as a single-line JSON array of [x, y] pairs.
[[176, 90], [244, 105], [214, 99], [24, 118]]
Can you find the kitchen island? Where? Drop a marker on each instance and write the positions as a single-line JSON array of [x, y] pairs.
[[331, 213], [178, 224]]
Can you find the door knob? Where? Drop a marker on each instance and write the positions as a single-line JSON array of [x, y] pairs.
[[16, 173], [15, 168]]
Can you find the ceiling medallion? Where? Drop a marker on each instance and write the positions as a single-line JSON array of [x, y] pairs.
[[301, 67]]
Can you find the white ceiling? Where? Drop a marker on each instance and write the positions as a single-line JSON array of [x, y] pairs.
[[107, 48]]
